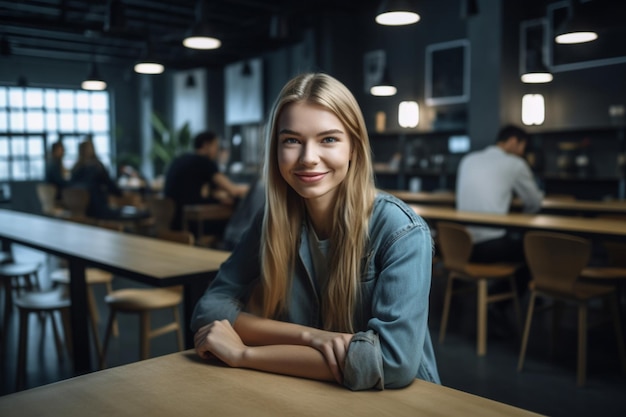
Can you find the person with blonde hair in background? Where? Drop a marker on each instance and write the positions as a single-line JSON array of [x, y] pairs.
[[339, 271], [90, 173]]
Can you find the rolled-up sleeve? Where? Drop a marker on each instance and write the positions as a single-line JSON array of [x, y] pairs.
[[364, 363], [396, 348]]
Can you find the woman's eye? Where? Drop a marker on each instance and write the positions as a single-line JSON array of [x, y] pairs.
[[329, 139], [290, 140]]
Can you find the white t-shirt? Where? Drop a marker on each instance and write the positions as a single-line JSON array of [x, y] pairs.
[[486, 183]]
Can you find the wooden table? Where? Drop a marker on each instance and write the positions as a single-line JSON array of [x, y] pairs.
[[440, 199], [182, 384], [148, 260], [201, 212], [549, 222], [548, 203]]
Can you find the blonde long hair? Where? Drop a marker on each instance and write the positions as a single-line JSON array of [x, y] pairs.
[[285, 210]]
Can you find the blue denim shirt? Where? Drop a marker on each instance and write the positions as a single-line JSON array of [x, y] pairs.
[[392, 344]]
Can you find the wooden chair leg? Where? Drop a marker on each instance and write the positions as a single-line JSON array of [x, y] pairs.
[[481, 319], [57, 338], [582, 344], [144, 334], [529, 319], [446, 308], [116, 329], [92, 305], [179, 329], [107, 337]]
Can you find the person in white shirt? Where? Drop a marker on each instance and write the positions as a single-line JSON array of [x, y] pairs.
[[487, 181]]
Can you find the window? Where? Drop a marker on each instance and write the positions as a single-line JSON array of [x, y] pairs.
[[31, 119]]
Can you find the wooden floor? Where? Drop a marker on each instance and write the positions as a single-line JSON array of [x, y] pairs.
[[547, 386]]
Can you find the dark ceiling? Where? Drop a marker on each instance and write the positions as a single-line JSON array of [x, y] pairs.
[[120, 31]]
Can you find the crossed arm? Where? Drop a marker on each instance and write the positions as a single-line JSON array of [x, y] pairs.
[[275, 346]]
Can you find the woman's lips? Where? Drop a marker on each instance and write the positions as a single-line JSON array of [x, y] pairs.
[[310, 176]]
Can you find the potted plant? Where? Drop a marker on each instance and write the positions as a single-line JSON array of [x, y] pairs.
[[167, 143]]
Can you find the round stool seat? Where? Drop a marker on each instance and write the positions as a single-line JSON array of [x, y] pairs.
[[92, 276], [137, 299], [43, 301], [5, 257], [18, 269]]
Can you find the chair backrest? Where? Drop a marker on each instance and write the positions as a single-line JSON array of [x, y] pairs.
[[455, 244], [75, 200], [162, 210], [178, 236], [46, 193], [555, 259]]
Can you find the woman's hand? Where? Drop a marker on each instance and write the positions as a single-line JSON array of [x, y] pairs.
[[220, 340], [334, 347]]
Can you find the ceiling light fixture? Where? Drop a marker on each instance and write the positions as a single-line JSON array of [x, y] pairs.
[[397, 13], [148, 67], [149, 64], [576, 28], [536, 71], [202, 35], [408, 114], [533, 109], [94, 81], [385, 87]]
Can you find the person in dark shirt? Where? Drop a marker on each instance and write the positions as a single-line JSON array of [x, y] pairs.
[[90, 173], [55, 172], [188, 175]]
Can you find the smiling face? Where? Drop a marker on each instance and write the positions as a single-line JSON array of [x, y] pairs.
[[314, 151]]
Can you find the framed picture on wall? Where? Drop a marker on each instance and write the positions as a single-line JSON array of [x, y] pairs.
[[607, 49], [243, 93], [447, 73]]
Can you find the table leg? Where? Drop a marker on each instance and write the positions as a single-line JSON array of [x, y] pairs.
[[192, 293], [78, 318]]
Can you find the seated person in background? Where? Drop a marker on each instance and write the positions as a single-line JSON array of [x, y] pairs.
[[188, 175], [91, 174], [486, 183], [55, 171], [342, 272]]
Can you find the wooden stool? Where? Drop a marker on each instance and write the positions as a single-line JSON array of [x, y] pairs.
[[40, 302], [10, 275], [143, 301], [93, 276]]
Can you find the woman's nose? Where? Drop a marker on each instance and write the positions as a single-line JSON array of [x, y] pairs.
[[309, 155]]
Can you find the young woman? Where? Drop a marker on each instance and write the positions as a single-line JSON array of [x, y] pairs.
[[343, 271], [90, 173]]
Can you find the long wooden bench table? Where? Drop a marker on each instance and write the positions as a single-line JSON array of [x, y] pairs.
[[550, 204], [151, 261], [566, 224], [181, 384]]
